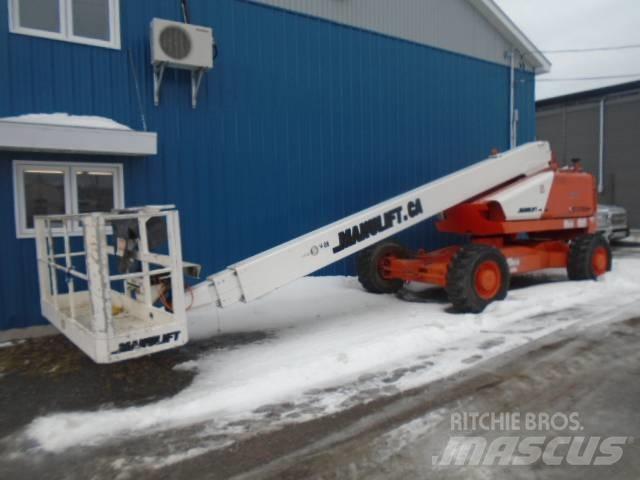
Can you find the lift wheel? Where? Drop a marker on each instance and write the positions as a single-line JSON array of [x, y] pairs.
[[371, 266], [478, 275], [590, 257]]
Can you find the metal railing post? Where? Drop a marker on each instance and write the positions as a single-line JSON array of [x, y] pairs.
[[175, 252], [69, 265], [144, 250], [42, 255], [98, 273]]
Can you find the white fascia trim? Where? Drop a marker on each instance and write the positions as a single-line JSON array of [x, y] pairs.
[[22, 136], [501, 21]]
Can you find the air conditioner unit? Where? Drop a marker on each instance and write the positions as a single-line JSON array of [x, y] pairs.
[[184, 46], [180, 45]]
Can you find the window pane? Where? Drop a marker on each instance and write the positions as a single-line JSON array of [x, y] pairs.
[[91, 19], [44, 193], [95, 191], [40, 14]]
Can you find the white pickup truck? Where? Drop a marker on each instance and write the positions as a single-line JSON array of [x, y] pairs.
[[613, 222]]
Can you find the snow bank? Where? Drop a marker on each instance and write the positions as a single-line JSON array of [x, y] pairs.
[[333, 341], [10, 343], [66, 120]]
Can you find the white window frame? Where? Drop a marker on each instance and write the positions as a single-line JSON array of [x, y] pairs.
[[66, 25], [70, 170]]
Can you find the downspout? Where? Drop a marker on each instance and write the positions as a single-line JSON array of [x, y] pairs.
[[512, 101], [601, 151]]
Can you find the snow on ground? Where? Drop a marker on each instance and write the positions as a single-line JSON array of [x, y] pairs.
[[334, 346], [66, 120]]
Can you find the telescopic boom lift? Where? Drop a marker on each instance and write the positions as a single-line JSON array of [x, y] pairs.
[[520, 211]]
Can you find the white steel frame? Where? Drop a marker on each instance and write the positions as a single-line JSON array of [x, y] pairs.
[[136, 327], [66, 25]]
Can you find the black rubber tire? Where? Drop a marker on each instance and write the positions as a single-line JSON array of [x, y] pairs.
[[369, 273], [461, 287], [580, 266]]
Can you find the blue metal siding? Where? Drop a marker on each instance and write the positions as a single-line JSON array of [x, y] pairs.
[[301, 123], [525, 91]]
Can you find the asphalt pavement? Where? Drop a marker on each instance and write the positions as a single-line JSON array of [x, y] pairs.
[[585, 380]]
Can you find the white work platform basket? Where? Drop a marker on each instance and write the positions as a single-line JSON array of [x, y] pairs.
[[113, 282]]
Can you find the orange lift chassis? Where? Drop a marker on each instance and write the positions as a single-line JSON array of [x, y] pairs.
[[546, 220]]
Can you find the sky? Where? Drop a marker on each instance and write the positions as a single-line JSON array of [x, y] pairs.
[[571, 24]]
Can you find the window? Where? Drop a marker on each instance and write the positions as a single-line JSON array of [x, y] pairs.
[[94, 22], [95, 190], [46, 188], [43, 193]]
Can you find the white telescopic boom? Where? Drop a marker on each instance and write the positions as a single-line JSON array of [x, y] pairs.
[[267, 271]]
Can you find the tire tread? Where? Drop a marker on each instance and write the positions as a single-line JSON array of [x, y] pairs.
[[459, 289], [367, 267], [579, 265]]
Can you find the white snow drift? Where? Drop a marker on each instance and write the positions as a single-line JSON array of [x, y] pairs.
[[66, 120], [330, 336]]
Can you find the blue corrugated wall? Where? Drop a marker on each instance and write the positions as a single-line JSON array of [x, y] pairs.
[[301, 122]]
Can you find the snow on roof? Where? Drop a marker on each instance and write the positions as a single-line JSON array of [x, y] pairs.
[[66, 120], [64, 133]]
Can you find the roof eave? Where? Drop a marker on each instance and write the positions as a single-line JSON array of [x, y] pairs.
[[501, 21], [38, 137]]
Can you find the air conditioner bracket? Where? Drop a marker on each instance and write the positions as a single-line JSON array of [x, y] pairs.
[[158, 76], [196, 81]]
